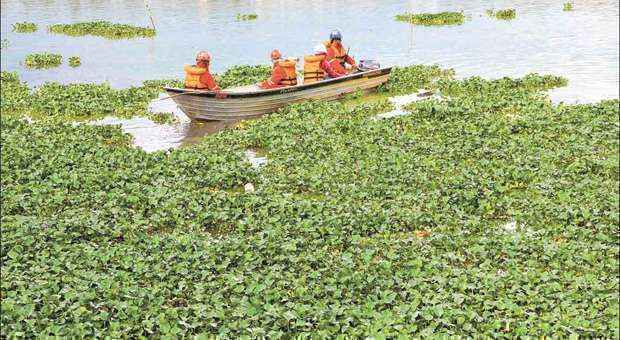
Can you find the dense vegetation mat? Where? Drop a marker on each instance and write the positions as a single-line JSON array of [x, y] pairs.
[[43, 60], [491, 212], [103, 29], [432, 19], [24, 27]]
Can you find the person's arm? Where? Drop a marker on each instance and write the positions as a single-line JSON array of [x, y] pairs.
[[207, 79], [349, 60], [329, 69]]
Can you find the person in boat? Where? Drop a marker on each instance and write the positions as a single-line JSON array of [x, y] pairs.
[[317, 68], [198, 76], [335, 50], [282, 73]]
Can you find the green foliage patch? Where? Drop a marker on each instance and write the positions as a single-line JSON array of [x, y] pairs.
[[241, 75], [432, 19], [4, 43], [25, 27], [75, 61], [246, 17], [60, 102], [103, 29], [358, 227], [503, 14], [43, 60], [568, 6]]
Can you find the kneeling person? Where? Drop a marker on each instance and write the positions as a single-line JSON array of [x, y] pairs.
[[198, 76], [282, 73], [317, 68]]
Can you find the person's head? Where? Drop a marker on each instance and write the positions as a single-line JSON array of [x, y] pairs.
[[203, 58], [335, 35], [319, 49], [275, 56]]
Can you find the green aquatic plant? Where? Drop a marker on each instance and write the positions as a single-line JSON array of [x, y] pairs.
[[568, 6], [246, 17], [103, 29], [75, 61], [61, 102], [503, 14], [432, 19], [241, 75], [475, 216], [43, 60], [4, 43], [25, 27]]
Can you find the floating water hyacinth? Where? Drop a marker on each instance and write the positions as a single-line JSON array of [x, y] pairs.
[[246, 17], [503, 14], [432, 19], [401, 227], [43, 60], [103, 29], [24, 27], [75, 61], [568, 6]]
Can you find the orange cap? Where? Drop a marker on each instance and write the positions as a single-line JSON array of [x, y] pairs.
[[275, 54], [203, 56]]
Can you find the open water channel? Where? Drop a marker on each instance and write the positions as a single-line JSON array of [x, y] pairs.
[[581, 45]]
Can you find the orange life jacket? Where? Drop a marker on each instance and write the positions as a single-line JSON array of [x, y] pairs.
[[192, 76], [312, 68], [290, 75], [339, 52]]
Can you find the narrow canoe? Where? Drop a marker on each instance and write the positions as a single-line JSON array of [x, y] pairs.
[[248, 102]]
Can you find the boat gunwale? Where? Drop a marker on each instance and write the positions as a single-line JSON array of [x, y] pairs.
[[282, 90]]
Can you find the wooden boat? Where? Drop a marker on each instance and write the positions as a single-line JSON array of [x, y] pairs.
[[251, 102]]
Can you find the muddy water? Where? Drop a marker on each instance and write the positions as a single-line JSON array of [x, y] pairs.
[[581, 45]]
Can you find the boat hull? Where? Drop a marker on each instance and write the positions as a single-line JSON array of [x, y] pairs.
[[231, 105]]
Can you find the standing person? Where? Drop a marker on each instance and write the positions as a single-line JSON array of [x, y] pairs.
[[282, 73], [317, 68], [198, 76], [336, 51]]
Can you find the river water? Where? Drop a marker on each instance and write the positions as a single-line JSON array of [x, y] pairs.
[[581, 45]]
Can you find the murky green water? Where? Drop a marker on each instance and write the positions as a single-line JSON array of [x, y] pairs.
[[581, 45]]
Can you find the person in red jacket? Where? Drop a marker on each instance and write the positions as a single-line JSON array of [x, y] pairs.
[[332, 68], [198, 76], [282, 74], [335, 51]]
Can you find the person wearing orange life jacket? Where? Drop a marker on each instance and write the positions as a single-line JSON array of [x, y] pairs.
[[282, 74], [198, 76], [317, 68], [336, 51]]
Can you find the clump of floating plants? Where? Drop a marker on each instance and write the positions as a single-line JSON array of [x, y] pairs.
[[103, 29], [43, 60], [568, 6], [75, 61], [24, 27], [246, 17], [243, 75], [60, 102], [503, 14], [4, 43], [475, 216], [432, 19]]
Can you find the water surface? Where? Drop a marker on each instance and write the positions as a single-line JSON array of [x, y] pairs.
[[581, 45]]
